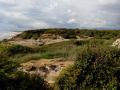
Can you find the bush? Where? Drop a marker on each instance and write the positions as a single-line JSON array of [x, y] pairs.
[[16, 49], [12, 79], [95, 69], [22, 81]]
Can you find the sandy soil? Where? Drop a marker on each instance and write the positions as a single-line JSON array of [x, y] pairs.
[[49, 69], [33, 43], [40, 42]]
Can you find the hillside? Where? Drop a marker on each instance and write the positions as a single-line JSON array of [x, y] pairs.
[[69, 33], [49, 36], [61, 59]]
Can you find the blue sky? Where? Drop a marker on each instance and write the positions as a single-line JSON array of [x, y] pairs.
[[30, 14]]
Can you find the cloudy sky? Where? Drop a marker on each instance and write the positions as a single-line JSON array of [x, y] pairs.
[[29, 14]]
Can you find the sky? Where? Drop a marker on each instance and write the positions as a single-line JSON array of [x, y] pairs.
[[33, 14]]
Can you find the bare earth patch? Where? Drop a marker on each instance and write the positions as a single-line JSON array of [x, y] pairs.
[[49, 69], [33, 43], [44, 39]]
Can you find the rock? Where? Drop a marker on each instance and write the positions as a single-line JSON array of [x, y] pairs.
[[116, 43]]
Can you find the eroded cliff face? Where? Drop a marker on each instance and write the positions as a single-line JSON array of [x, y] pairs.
[[44, 39], [116, 43], [49, 69]]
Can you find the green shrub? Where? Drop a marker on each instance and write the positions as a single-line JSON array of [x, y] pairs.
[[22, 81], [12, 79], [16, 49], [95, 69]]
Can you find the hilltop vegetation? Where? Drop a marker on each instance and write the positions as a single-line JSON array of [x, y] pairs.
[[71, 33], [96, 67]]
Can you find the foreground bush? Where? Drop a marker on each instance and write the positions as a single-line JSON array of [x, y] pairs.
[[95, 69], [22, 81], [11, 79]]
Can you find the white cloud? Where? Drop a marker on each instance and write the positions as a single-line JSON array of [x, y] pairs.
[[58, 13], [108, 1], [38, 24], [8, 1], [15, 15], [71, 20]]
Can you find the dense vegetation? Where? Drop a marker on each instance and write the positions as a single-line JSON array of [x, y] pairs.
[[11, 79], [97, 63], [72, 33], [95, 69], [22, 81]]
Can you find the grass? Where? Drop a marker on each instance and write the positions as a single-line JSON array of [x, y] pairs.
[[67, 50], [4, 46]]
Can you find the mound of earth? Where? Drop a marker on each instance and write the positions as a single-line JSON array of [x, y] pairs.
[[116, 43], [49, 69]]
